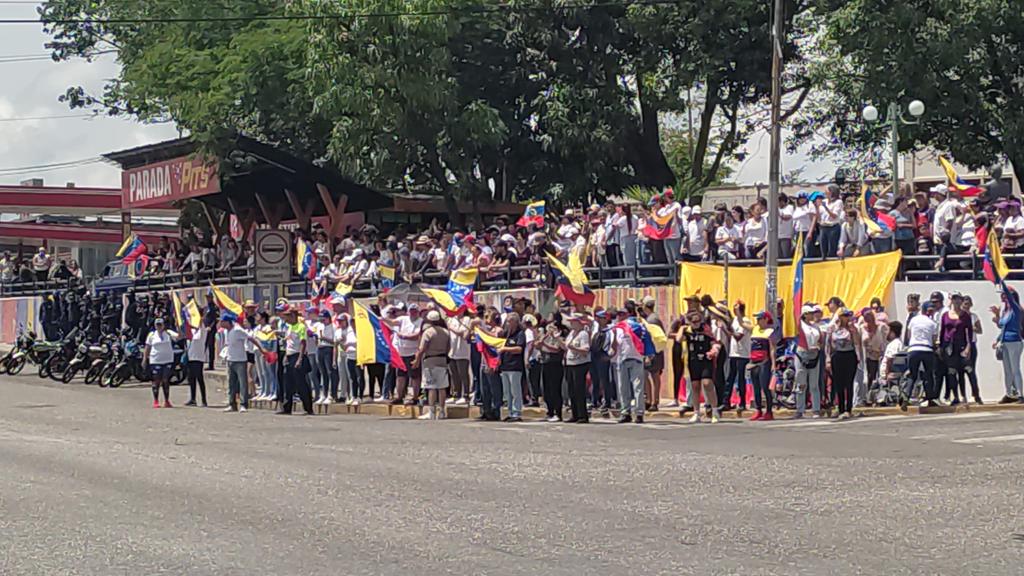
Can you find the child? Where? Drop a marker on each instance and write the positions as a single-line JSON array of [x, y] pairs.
[[894, 347]]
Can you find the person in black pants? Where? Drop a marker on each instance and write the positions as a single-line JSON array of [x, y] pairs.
[[552, 352], [577, 360], [600, 364], [196, 357], [295, 380], [210, 317]]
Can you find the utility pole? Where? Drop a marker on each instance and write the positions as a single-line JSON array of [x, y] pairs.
[[775, 163]]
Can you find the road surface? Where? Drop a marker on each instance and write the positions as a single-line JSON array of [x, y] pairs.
[[95, 482]]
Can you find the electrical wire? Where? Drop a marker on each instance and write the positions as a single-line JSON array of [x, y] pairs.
[[58, 117], [359, 15]]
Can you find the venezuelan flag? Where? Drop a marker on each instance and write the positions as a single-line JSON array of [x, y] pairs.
[[226, 303], [192, 314], [373, 340], [993, 264], [874, 229], [534, 214], [457, 297], [798, 290], [659, 227], [488, 346], [179, 312], [305, 260], [638, 333], [956, 182], [134, 254], [341, 293], [387, 277], [570, 280], [658, 336]]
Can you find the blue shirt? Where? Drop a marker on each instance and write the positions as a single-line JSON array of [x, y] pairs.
[[1009, 323], [902, 233]]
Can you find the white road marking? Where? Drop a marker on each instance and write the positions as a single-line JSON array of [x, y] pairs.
[[983, 439]]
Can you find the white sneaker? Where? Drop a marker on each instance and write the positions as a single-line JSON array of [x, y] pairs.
[[355, 402], [442, 415], [242, 409], [554, 419], [350, 401], [460, 402], [450, 401], [695, 419], [328, 400], [714, 416], [428, 415], [229, 409], [378, 399]]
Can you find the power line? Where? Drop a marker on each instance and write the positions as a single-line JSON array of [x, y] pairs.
[[322, 17], [15, 171], [59, 117]]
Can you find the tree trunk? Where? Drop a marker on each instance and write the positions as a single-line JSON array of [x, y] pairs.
[[644, 146]]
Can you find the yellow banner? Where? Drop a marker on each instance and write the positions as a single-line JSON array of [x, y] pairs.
[[855, 280]]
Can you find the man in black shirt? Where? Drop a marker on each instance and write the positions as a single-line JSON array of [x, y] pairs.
[[210, 318]]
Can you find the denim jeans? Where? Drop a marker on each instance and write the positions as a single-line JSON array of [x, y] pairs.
[[313, 377], [738, 380], [807, 379], [328, 371], [829, 239], [631, 386], [267, 374], [672, 249], [1011, 368], [237, 384], [490, 393], [512, 390], [628, 248], [602, 387]]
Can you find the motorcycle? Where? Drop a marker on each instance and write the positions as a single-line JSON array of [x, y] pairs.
[[84, 357], [59, 359], [99, 362], [129, 366], [14, 361], [42, 350]]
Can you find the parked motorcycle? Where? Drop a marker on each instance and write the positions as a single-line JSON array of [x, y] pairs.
[[99, 362], [59, 359], [14, 361], [129, 366], [84, 357], [42, 350]]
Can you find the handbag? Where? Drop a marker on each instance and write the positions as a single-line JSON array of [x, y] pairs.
[[810, 363]]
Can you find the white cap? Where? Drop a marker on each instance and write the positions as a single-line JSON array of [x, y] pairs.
[[807, 309], [696, 211]]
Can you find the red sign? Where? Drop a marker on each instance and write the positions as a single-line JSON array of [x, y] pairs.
[[164, 182]]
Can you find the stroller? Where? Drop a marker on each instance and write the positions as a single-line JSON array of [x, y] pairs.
[[887, 392], [784, 374]]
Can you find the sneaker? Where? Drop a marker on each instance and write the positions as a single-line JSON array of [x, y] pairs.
[[768, 417], [695, 419], [442, 415], [428, 415], [349, 402], [229, 409], [356, 402], [554, 419], [714, 417], [672, 404], [328, 401], [242, 409], [190, 403], [156, 403], [514, 419], [167, 404], [798, 416], [639, 419], [450, 401], [625, 419], [757, 416], [903, 402], [815, 416], [460, 402]]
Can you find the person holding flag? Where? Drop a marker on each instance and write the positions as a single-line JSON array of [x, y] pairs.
[[197, 352], [631, 344], [1009, 346], [488, 343]]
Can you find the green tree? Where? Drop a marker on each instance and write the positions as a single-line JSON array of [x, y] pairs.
[[962, 58]]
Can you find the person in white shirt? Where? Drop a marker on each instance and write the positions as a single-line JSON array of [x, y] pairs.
[[406, 330], [808, 363], [739, 355], [197, 355], [785, 227], [894, 347], [626, 224], [1013, 228], [577, 363], [853, 236], [235, 339], [567, 233], [805, 216], [458, 357], [696, 237], [267, 357], [922, 334], [631, 367], [727, 237], [158, 358], [945, 214], [345, 335], [755, 232], [327, 368], [830, 213]]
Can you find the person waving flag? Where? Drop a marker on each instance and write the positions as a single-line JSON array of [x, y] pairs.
[[798, 291], [534, 214]]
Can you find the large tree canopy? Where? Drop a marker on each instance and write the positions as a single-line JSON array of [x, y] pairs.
[[534, 98], [962, 58]]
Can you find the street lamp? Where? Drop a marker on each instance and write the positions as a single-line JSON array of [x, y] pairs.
[[894, 116]]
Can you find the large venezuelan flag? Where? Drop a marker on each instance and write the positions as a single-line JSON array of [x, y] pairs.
[[993, 264], [226, 303], [305, 260], [534, 214], [956, 182], [659, 227], [488, 346], [373, 340], [571, 280], [458, 296]]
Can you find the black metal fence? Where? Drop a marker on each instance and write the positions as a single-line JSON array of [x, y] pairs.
[[912, 268]]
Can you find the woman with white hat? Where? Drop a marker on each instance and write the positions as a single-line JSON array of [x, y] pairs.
[[808, 363], [432, 357]]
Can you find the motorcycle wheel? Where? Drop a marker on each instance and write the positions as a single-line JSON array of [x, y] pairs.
[[93, 375], [68, 375], [44, 371], [16, 365], [177, 375], [56, 366], [116, 380]]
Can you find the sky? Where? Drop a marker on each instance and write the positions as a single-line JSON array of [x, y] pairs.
[[30, 90]]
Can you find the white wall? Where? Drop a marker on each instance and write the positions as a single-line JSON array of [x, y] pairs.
[[984, 294]]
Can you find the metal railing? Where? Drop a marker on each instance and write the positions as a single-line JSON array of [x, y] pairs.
[[912, 268]]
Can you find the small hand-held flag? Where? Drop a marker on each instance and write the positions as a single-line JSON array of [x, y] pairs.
[[798, 291], [305, 260], [488, 347], [659, 227], [874, 229], [134, 254], [534, 214], [373, 340], [224, 302]]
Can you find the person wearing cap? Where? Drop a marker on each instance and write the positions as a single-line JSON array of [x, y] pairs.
[[738, 334], [407, 329], [432, 359], [577, 365], [922, 333], [311, 318], [956, 331], [903, 214], [631, 366], [807, 367], [805, 217], [696, 241], [235, 339], [602, 383], [763, 341], [1009, 345], [786, 228], [841, 349], [295, 381], [1013, 228], [702, 351], [830, 213], [655, 366], [158, 358], [327, 368]]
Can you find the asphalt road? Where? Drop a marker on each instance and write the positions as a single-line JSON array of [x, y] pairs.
[[95, 482]]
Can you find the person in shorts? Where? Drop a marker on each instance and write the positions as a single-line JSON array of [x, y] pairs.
[[701, 353], [432, 358], [158, 358]]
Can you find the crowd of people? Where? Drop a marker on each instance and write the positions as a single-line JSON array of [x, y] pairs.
[[40, 267], [581, 364]]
